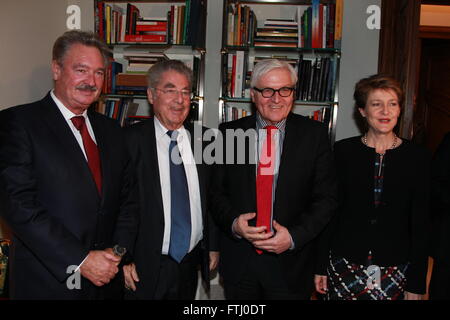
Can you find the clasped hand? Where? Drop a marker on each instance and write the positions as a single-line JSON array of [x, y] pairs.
[[260, 237], [100, 266]]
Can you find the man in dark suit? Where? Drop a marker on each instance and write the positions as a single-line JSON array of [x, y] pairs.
[[66, 188], [175, 235], [272, 203], [440, 193]]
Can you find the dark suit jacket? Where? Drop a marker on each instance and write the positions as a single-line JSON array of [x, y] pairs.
[[440, 200], [147, 255], [49, 198], [305, 199]]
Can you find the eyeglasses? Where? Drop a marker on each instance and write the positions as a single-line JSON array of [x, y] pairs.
[[269, 92], [173, 93]]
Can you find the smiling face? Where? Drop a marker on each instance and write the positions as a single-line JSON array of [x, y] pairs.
[[79, 80], [171, 111], [381, 111], [276, 108]]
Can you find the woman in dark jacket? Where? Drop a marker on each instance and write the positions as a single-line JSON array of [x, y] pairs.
[[375, 248]]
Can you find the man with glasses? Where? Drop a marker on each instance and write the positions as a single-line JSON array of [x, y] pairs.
[[174, 236], [272, 207]]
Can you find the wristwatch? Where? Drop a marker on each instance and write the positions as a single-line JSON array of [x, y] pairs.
[[119, 251]]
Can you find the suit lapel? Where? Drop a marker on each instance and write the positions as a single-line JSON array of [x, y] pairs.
[[150, 166], [56, 123], [250, 167], [200, 166], [292, 142]]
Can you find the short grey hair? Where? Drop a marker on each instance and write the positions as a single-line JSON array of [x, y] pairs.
[[265, 66], [86, 38], [155, 73]]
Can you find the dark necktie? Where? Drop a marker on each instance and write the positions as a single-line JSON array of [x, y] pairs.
[[93, 157], [180, 230], [264, 181]]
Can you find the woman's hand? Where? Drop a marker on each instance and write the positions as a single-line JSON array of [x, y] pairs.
[[321, 283], [413, 296]]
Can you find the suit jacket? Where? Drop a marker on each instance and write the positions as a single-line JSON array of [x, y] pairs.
[[147, 255], [49, 199], [305, 198], [440, 199]]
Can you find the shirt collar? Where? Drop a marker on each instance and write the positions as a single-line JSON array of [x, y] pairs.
[[161, 130], [261, 123], [67, 114]]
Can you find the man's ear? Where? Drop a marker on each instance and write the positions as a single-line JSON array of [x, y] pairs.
[[252, 94], [150, 97], [56, 70]]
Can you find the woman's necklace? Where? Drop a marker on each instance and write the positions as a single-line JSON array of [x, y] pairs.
[[394, 144]]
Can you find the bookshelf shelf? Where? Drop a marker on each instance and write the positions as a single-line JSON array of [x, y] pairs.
[[282, 49]]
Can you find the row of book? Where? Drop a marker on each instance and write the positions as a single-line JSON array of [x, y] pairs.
[[322, 115], [316, 79], [316, 76], [318, 25], [127, 74], [230, 113], [119, 109], [124, 23]]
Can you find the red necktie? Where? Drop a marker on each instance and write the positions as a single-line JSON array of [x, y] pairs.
[[91, 151], [264, 181]]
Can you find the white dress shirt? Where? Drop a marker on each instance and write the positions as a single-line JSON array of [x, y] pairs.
[[67, 114], [190, 168]]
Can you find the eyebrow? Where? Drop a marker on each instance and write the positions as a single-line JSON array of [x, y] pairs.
[[171, 85], [81, 65]]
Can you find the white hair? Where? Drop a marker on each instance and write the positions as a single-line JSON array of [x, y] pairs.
[[265, 66]]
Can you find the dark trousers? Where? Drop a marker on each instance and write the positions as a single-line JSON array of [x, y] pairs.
[[440, 281], [263, 279], [178, 281]]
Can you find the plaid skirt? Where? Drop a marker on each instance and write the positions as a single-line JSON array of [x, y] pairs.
[[350, 281]]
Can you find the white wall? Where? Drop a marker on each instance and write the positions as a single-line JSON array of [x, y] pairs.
[[28, 29], [359, 59]]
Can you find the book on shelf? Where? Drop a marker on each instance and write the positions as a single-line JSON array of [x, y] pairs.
[[316, 79], [117, 108], [241, 25], [339, 13], [183, 24], [231, 113], [153, 38]]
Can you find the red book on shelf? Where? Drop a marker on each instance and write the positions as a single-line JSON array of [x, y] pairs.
[[146, 27], [316, 41], [145, 38]]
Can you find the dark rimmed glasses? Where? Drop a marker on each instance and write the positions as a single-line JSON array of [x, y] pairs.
[[269, 92]]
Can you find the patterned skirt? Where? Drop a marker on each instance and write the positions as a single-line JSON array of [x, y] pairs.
[[350, 281]]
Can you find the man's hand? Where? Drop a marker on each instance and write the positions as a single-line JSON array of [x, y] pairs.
[[213, 260], [321, 284], [100, 267], [277, 244], [131, 276], [242, 228]]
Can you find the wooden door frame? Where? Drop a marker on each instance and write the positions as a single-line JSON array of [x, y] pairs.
[[400, 49], [398, 54]]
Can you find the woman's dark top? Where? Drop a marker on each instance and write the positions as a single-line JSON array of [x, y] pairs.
[[396, 230]]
